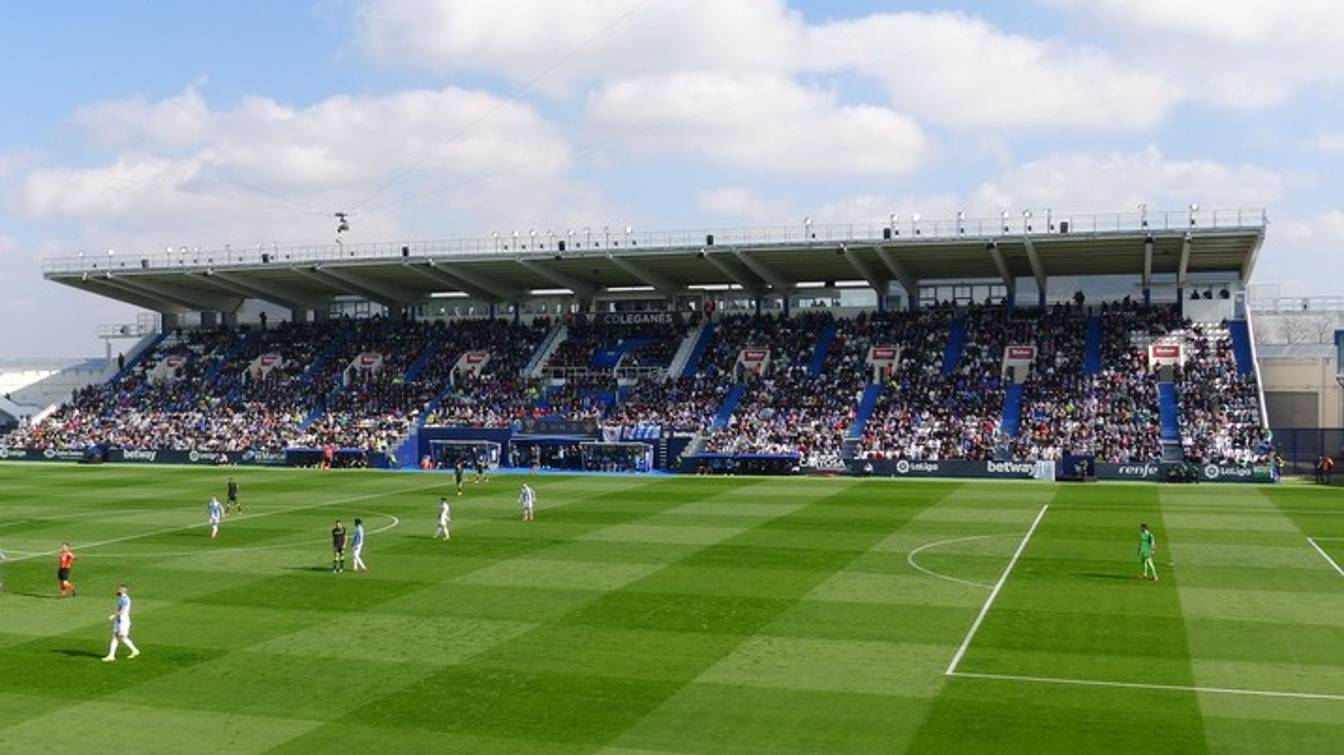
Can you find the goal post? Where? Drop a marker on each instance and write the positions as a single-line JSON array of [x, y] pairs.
[[446, 453], [599, 456]]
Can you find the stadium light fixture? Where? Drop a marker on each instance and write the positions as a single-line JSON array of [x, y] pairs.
[[914, 224], [961, 222], [1194, 208], [1026, 220], [807, 228], [1003, 216]]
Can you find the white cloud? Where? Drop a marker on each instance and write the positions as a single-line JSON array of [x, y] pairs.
[[758, 121], [1323, 229], [948, 67], [878, 208], [1087, 182], [1248, 54], [744, 205], [180, 121], [1330, 142], [525, 40], [267, 170], [961, 70]]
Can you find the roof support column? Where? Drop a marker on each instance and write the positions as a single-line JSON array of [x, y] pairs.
[[1148, 271], [1000, 264], [1037, 270], [909, 281]]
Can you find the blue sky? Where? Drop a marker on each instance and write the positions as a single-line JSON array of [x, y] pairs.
[[139, 125]]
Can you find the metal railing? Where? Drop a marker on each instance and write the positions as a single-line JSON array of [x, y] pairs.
[[146, 323], [592, 240], [1287, 305]]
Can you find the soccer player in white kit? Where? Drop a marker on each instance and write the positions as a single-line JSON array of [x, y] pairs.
[[445, 518], [216, 510], [528, 498], [357, 542], [121, 626]]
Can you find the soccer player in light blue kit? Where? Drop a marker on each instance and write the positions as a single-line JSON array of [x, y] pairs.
[[357, 542], [121, 626], [528, 499], [216, 510]]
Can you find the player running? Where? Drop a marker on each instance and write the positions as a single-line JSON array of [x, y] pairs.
[[482, 469], [216, 510], [445, 519], [528, 499], [458, 470], [1147, 547], [233, 497], [121, 626], [338, 548], [357, 542], [66, 562]]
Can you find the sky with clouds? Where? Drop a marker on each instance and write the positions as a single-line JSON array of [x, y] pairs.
[[139, 125]]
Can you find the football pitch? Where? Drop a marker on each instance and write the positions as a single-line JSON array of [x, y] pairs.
[[670, 615]]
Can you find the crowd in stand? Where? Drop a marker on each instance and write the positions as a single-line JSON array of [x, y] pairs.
[[200, 389], [1112, 412], [500, 394], [786, 409], [643, 344], [678, 405], [1220, 407], [926, 414]]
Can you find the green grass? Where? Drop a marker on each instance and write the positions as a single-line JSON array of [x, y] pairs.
[[679, 615]]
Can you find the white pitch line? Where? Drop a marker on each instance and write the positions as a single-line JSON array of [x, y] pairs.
[[1138, 685], [258, 515], [1326, 556], [910, 559], [975, 627]]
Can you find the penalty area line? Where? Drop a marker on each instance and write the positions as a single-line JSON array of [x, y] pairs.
[[994, 593], [1326, 556], [1140, 685]]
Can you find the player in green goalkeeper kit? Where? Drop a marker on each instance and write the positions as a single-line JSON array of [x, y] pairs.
[[1147, 545]]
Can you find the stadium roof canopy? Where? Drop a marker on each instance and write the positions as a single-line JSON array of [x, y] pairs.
[[588, 262]]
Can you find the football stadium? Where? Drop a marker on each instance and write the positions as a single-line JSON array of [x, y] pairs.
[[1020, 479]]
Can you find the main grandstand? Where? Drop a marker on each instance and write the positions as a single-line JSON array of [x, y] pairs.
[[1116, 345]]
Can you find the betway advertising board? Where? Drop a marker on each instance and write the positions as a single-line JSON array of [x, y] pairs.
[[169, 456], [1013, 470], [145, 456]]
